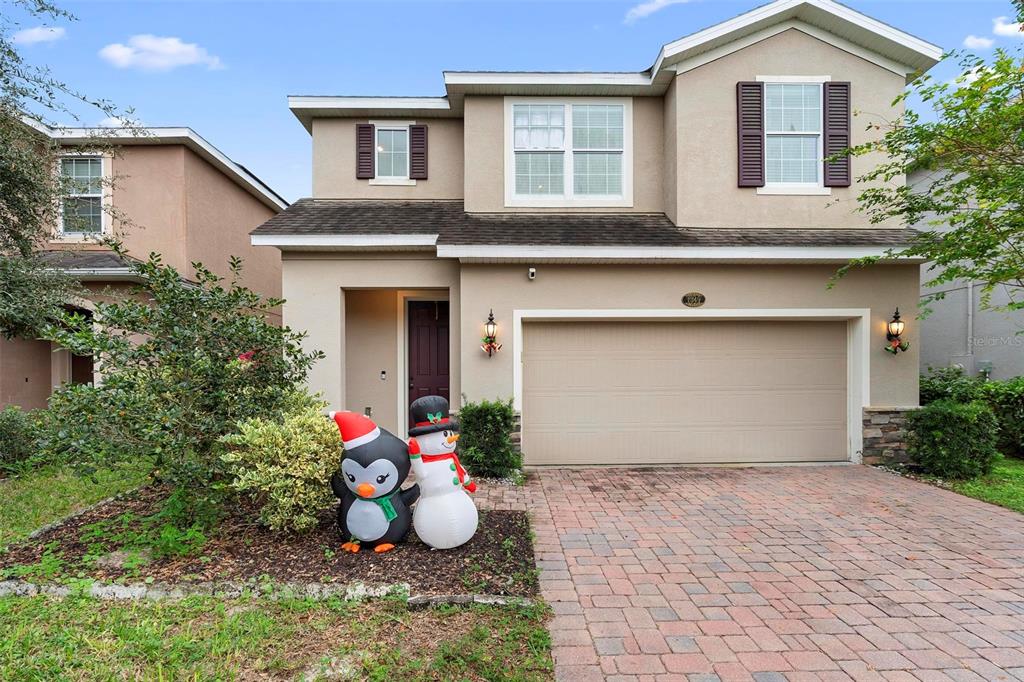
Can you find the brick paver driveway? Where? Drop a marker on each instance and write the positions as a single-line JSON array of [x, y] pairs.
[[787, 573]]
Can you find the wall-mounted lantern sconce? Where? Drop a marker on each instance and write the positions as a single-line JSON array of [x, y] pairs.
[[893, 332], [490, 343]]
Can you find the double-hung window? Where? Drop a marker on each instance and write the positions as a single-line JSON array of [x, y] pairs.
[[793, 126], [573, 152], [392, 153], [82, 208]]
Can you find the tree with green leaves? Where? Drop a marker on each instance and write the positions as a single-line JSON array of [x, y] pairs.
[[969, 208], [32, 100], [183, 361]]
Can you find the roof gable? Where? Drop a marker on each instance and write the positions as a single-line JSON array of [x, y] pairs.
[[830, 21]]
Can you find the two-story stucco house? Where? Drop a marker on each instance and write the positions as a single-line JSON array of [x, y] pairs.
[[655, 247], [178, 195]]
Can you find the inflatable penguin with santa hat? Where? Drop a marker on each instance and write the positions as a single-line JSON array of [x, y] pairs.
[[374, 508]]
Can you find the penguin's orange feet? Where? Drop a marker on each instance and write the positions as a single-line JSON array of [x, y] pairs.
[[386, 547], [351, 547]]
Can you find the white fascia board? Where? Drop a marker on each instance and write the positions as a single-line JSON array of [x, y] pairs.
[[183, 136], [92, 274], [533, 78], [343, 240], [671, 253], [300, 102]]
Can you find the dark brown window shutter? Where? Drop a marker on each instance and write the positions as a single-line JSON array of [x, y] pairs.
[[364, 150], [750, 133], [837, 133], [418, 152]]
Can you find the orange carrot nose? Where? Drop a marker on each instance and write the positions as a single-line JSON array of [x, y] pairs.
[[452, 439], [365, 490]]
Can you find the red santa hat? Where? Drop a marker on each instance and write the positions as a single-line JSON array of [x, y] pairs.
[[356, 429]]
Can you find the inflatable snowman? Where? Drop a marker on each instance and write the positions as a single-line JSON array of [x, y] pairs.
[[445, 516]]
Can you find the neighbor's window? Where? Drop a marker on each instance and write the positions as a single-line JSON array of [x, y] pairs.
[[792, 120], [568, 151], [393, 152], [83, 205]]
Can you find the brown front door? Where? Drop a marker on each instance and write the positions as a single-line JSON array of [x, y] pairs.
[[428, 349]]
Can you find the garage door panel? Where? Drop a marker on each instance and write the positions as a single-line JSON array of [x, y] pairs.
[[684, 392]]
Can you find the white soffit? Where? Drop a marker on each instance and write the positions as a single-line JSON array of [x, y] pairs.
[[345, 241], [307, 107], [764, 254]]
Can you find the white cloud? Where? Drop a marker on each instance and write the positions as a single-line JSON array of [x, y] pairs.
[[148, 52], [1002, 26], [974, 42], [649, 7], [39, 34]]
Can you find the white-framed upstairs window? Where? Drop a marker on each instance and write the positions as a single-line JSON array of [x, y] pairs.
[[568, 152], [391, 153], [82, 209], [793, 131]]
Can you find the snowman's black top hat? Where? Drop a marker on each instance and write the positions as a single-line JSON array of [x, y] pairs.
[[429, 414]]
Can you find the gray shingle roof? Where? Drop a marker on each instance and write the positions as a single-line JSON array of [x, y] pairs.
[[85, 260], [454, 226]]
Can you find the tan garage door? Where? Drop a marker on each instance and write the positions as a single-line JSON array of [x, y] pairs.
[[684, 392]]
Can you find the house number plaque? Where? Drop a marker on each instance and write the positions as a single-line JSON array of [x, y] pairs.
[[694, 299]]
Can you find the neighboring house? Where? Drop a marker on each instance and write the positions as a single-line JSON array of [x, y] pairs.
[[589, 212], [959, 332], [185, 200]]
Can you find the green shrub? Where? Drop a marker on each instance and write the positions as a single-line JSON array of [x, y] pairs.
[[949, 382], [485, 443], [17, 438], [184, 360], [286, 465], [1006, 398], [953, 440]]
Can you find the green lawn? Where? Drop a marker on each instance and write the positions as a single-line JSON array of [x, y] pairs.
[[48, 494], [207, 638], [1004, 486]]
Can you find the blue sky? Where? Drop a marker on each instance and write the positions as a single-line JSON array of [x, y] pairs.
[[225, 68]]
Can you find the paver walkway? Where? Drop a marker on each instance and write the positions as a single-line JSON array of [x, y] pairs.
[[788, 573]]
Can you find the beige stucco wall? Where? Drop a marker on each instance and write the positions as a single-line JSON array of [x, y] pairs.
[[318, 288], [669, 158], [25, 373], [334, 162], [506, 288], [485, 157], [371, 346], [705, 104], [219, 216]]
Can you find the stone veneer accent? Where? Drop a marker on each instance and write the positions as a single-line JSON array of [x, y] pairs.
[[517, 432], [885, 435]]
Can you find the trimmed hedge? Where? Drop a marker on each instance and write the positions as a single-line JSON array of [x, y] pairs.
[[485, 440], [1006, 398], [953, 440]]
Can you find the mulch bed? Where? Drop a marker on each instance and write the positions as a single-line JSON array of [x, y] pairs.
[[498, 560]]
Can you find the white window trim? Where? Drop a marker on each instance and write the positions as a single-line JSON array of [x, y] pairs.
[[396, 180], [798, 188], [106, 202], [567, 200]]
